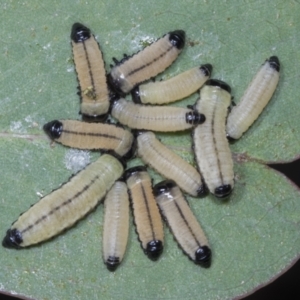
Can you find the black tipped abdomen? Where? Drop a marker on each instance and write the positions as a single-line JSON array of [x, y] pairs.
[[53, 129], [112, 263], [154, 249], [206, 69], [203, 257], [177, 38], [223, 191], [13, 239], [80, 33], [274, 63], [195, 118]]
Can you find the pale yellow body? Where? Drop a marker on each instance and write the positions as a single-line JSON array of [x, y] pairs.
[[90, 136], [211, 147], [91, 76], [155, 118], [147, 218], [176, 88], [168, 163], [68, 204], [116, 222], [145, 64], [254, 100], [182, 222]]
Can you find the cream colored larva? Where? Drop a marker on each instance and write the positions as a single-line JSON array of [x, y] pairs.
[[169, 164], [155, 118], [63, 207], [211, 147], [116, 225], [147, 63], [91, 74], [171, 90], [182, 222], [255, 98], [90, 136], [147, 218]]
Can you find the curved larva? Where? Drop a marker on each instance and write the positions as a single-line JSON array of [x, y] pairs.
[[63, 207], [171, 90], [91, 74], [147, 63], [116, 225], [147, 218], [211, 147], [155, 118], [255, 98], [182, 222], [169, 164], [90, 136]]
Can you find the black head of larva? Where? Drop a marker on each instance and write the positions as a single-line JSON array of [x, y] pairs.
[[194, 118], [53, 129], [80, 33], [223, 191], [177, 38], [163, 187], [221, 84], [154, 249], [112, 263], [128, 173], [13, 239], [203, 257], [206, 69], [135, 93], [115, 84], [274, 63]]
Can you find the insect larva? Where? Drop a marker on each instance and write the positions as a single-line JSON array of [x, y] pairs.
[[169, 164], [91, 74], [147, 63], [146, 214], [155, 118], [63, 207], [176, 88], [116, 224], [182, 222], [211, 147], [90, 136], [255, 98]]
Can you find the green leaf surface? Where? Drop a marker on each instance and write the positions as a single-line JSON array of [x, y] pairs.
[[254, 236]]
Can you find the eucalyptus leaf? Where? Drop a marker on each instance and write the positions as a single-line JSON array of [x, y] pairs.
[[254, 236]]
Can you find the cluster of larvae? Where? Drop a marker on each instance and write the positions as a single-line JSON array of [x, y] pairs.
[[108, 179]]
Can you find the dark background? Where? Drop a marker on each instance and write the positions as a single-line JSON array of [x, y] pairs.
[[286, 286]]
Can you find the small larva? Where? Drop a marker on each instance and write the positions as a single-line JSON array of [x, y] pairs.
[[176, 88], [91, 74], [90, 136], [155, 118], [255, 98], [182, 222], [147, 63], [116, 225], [147, 218], [63, 207], [169, 164], [211, 146]]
